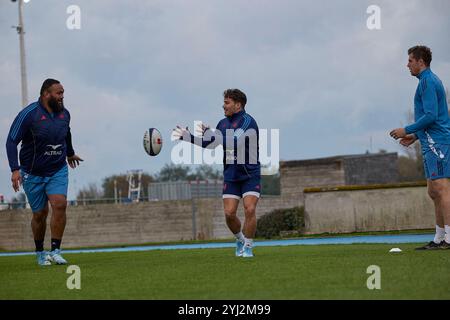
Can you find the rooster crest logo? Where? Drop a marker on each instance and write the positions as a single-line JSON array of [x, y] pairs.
[[54, 146]]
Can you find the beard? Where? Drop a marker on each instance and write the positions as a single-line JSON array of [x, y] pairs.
[[55, 106]]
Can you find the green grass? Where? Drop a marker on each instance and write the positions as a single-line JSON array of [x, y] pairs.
[[294, 272]]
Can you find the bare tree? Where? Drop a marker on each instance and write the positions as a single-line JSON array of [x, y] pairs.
[[92, 191]]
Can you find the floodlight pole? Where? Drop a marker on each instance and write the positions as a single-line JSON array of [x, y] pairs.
[[23, 68]]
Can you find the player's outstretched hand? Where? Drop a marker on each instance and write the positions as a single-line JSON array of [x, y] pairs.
[[408, 140], [178, 133], [201, 129], [74, 161]]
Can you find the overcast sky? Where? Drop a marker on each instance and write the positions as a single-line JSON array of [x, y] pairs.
[[311, 69]]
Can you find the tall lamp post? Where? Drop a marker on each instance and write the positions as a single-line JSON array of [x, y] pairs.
[[23, 68]]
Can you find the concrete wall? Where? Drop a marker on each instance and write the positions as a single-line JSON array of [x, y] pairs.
[[110, 224], [361, 210], [104, 225]]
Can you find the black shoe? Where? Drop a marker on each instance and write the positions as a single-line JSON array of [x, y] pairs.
[[430, 246], [444, 245]]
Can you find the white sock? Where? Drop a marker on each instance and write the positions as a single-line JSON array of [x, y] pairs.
[[248, 242], [440, 234], [239, 236], [447, 233]]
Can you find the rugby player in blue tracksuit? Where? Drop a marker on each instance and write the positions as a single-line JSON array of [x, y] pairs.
[[239, 136], [432, 128], [43, 128]]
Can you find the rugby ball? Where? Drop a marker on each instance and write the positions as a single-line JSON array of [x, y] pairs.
[[152, 141]]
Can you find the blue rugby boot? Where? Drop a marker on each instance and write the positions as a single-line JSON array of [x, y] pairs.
[[42, 258], [247, 252], [239, 248], [55, 257]]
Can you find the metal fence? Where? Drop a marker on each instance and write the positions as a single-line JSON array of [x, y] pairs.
[[185, 190], [179, 190], [4, 206]]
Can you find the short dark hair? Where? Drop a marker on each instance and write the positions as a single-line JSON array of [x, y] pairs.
[[236, 95], [421, 52], [47, 84]]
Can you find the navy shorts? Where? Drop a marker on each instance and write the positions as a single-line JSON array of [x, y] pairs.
[[436, 162], [241, 189], [38, 188]]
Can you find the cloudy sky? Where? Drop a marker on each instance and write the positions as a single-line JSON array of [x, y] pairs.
[[311, 69]]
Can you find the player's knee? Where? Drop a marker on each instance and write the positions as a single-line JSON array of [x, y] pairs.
[[40, 216], [249, 209], [437, 191], [432, 193], [59, 205], [230, 214]]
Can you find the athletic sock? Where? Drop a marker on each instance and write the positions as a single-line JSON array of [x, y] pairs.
[[447, 233], [440, 234], [56, 244], [39, 245], [239, 236], [248, 242]]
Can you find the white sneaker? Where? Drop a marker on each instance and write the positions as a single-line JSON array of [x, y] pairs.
[[247, 252], [42, 258], [239, 248], [55, 257]]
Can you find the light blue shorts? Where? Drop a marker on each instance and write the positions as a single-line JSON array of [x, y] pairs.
[[436, 162], [38, 188]]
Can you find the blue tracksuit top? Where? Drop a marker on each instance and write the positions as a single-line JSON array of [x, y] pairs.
[[432, 123], [242, 141], [46, 140]]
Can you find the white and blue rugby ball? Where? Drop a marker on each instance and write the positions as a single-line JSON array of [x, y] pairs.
[[152, 141]]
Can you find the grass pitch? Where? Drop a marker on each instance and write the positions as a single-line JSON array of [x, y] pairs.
[[294, 272]]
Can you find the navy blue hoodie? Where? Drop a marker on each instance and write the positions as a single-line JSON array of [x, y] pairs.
[[46, 140], [240, 146]]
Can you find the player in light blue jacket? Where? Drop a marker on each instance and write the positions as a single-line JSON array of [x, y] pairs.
[[432, 128]]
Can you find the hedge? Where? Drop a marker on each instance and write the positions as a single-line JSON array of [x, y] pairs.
[[273, 223]]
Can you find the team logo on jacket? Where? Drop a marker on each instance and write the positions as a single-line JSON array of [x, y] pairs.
[[54, 151]]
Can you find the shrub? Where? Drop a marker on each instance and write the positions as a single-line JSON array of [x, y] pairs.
[[271, 224]]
